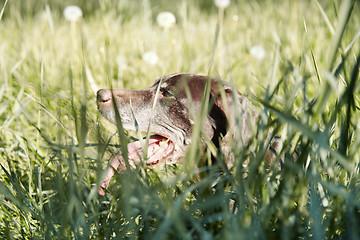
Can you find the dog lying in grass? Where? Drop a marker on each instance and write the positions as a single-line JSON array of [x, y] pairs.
[[169, 109]]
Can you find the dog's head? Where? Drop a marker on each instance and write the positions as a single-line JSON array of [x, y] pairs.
[[170, 108]]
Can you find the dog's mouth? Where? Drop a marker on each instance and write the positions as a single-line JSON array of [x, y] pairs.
[[158, 148]]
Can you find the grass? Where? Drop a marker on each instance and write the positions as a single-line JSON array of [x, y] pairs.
[[54, 145]]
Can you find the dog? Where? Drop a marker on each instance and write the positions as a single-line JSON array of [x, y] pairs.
[[170, 108]]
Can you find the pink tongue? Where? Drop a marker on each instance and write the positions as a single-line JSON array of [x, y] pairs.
[[157, 149], [155, 153]]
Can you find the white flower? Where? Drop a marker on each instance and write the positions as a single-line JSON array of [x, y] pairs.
[[73, 13], [121, 62], [222, 3], [150, 57], [257, 52], [102, 50], [165, 19]]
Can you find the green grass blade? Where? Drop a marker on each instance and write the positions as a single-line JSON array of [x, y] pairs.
[[3, 9], [325, 17], [344, 16]]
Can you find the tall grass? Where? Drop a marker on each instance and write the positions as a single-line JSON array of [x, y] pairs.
[[54, 145]]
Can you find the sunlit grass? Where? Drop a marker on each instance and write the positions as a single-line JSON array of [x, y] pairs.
[[54, 145]]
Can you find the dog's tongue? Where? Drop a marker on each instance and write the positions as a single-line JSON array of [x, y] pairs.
[[158, 149]]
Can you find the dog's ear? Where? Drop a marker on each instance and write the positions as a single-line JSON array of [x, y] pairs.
[[219, 113], [233, 112], [220, 120]]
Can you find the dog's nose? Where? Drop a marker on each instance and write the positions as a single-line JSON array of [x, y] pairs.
[[104, 95]]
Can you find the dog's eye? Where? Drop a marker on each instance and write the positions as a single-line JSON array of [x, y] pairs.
[[166, 93]]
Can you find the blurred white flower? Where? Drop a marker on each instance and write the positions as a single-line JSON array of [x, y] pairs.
[[150, 57], [102, 50], [165, 19], [222, 3], [121, 62], [257, 52], [73, 13]]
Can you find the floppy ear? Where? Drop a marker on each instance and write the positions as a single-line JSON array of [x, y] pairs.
[[234, 118], [220, 120], [237, 115]]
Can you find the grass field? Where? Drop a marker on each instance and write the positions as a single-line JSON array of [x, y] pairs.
[[298, 62]]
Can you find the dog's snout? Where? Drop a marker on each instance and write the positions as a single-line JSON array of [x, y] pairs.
[[104, 95]]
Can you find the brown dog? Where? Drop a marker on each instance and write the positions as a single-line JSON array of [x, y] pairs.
[[171, 115]]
